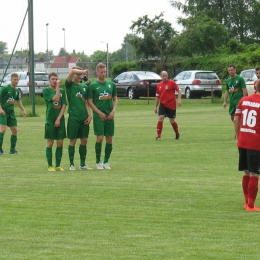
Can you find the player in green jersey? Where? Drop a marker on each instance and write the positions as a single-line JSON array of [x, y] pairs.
[[8, 95], [55, 99], [79, 115], [102, 99], [235, 90]]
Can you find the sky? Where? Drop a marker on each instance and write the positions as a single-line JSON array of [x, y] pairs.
[[89, 25]]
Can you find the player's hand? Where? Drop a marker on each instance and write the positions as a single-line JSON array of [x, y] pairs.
[[88, 120], [102, 116], [24, 114], [155, 111], [57, 123], [111, 115], [86, 72], [179, 103], [224, 104]]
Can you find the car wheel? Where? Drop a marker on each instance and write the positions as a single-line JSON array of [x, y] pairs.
[[131, 93], [187, 93]]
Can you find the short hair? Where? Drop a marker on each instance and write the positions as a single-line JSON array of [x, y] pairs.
[[14, 75], [257, 69], [100, 66], [76, 67], [232, 66], [258, 86], [53, 74]]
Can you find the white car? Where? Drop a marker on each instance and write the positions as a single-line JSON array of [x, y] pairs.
[[41, 80], [250, 85], [199, 83]]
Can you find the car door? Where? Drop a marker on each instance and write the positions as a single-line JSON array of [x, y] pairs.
[[119, 82], [179, 80]]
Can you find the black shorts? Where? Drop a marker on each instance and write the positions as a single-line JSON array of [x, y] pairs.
[[249, 160], [165, 111]]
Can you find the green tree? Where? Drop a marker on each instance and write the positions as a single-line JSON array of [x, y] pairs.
[[3, 47], [201, 35], [62, 53], [154, 38], [239, 16]]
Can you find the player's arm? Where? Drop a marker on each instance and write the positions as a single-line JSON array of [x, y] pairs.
[[76, 71], [225, 99], [62, 111], [88, 120], [157, 102], [2, 112], [102, 115], [112, 113], [20, 104], [244, 92], [237, 124], [179, 97], [56, 97]]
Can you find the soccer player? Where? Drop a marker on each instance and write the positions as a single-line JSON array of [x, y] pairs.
[[257, 72], [103, 101], [55, 99], [247, 128], [165, 96], [235, 90], [8, 95], [79, 115]]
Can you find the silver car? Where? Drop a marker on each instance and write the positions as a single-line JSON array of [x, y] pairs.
[[250, 85], [41, 81], [199, 83]]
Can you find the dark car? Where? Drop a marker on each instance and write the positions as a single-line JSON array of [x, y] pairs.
[[135, 84]]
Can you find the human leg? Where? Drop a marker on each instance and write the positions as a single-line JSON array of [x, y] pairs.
[[2, 133], [58, 152], [13, 139]]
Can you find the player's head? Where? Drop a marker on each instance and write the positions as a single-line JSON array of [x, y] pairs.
[[101, 71], [232, 70], [164, 75], [53, 77], [258, 86], [257, 72], [14, 79], [77, 77]]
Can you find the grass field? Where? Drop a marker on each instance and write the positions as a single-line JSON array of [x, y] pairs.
[[161, 200]]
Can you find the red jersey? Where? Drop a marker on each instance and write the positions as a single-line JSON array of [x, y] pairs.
[[165, 91], [248, 110]]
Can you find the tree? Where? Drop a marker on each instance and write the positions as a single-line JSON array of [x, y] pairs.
[[239, 16], [154, 38], [3, 47], [201, 35], [62, 53]]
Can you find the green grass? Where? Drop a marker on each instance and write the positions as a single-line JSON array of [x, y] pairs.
[[161, 200]]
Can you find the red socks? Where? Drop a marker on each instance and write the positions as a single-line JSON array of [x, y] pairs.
[[175, 128], [252, 191], [245, 181], [159, 129]]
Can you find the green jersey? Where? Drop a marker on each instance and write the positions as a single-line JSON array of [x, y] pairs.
[[102, 95], [77, 95], [234, 87], [8, 96], [53, 107]]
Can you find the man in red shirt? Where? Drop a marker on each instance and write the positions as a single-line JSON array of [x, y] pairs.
[[247, 127], [165, 96], [257, 72]]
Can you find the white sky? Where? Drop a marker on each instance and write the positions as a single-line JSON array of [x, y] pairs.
[[86, 23]]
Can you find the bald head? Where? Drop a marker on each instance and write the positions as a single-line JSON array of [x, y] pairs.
[[164, 75]]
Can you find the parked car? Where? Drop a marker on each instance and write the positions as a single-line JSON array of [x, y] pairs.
[[41, 80], [250, 85], [247, 74], [134, 84], [198, 83]]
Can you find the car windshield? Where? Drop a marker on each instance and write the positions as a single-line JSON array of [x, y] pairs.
[[148, 75], [41, 77], [206, 75]]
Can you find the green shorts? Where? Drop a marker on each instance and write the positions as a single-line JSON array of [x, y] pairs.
[[55, 133], [232, 109], [76, 128], [9, 119], [104, 128]]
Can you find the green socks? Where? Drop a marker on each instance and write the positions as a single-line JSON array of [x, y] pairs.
[[82, 154], [98, 147], [1, 140], [108, 150], [13, 141], [58, 156], [49, 156], [71, 150]]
